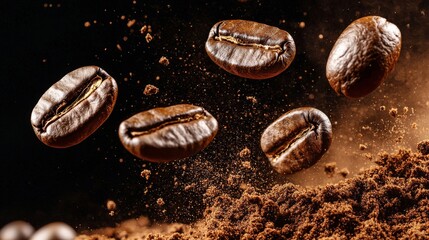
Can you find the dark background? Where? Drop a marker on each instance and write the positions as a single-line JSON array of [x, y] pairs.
[[44, 40]]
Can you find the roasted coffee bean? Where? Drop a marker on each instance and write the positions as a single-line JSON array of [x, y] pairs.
[[74, 107], [297, 139], [17, 230], [54, 231], [167, 134], [250, 49], [363, 56]]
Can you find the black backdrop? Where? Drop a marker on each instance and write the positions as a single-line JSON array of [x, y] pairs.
[[44, 40]]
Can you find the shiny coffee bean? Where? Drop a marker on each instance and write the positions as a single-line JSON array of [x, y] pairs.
[[74, 107], [17, 230], [297, 139], [167, 134], [54, 231], [363, 56], [250, 49]]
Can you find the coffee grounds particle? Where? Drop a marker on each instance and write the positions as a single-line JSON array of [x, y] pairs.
[[87, 24], [330, 168], [143, 29], [344, 172], [148, 37], [190, 186], [164, 61], [393, 112], [131, 23], [246, 164], [150, 90], [145, 174], [423, 147], [111, 205], [160, 202], [245, 152], [362, 147], [252, 99]]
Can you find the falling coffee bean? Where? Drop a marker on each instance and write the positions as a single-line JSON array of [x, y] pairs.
[[17, 230], [54, 231], [363, 56], [297, 139], [167, 134], [250, 49], [74, 107]]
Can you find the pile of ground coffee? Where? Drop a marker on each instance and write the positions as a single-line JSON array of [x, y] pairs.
[[388, 201]]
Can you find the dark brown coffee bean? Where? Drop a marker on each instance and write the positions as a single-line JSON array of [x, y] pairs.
[[363, 56], [74, 107], [54, 231], [250, 49], [297, 139], [167, 134], [18, 230]]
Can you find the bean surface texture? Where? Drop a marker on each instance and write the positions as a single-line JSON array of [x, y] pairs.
[[250, 49], [169, 133], [74, 107], [297, 139], [363, 56]]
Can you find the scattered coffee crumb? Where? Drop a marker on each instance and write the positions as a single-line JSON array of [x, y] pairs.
[[301, 24], [150, 90], [160, 202], [382, 108], [111, 205], [393, 112], [344, 172], [190, 186], [414, 125], [252, 99], [143, 29], [405, 109], [164, 61], [131, 23], [148, 37], [118, 46], [87, 24], [362, 147], [145, 174], [368, 156], [330, 168], [157, 78], [245, 152], [246, 164], [423, 147]]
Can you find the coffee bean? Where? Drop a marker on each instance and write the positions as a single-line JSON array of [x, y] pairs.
[[54, 231], [363, 56], [17, 230], [74, 107], [297, 139], [167, 134], [250, 49]]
